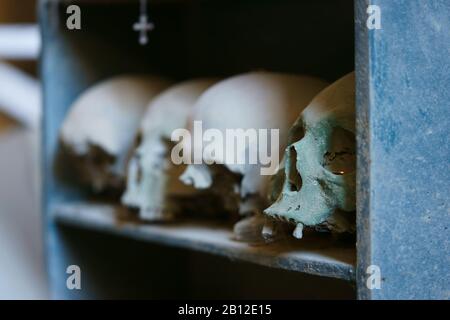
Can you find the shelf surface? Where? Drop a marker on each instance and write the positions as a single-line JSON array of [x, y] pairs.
[[319, 255]]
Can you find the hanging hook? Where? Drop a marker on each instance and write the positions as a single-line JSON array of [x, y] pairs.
[[143, 25]]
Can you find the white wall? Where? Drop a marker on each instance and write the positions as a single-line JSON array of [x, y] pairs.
[[22, 271]]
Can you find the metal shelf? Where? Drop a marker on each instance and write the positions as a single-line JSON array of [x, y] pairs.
[[316, 255]]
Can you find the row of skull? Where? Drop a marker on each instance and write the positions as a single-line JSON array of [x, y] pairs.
[[118, 137]]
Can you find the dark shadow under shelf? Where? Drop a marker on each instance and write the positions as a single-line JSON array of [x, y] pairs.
[[319, 256]]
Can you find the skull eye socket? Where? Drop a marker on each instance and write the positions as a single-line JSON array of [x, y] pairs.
[[138, 139], [294, 178], [340, 157], [297, 133], [98, 157]]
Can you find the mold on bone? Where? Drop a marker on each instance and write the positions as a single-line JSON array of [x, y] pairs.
[[258, 100], [340, 157], [98, 132], [319, 170], [153, 187]]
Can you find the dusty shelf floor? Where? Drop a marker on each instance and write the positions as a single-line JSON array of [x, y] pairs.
[[319, 255]]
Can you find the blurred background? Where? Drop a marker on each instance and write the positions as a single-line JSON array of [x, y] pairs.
[[22, 270]]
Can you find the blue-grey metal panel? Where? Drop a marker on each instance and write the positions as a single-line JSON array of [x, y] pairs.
[[403, 99], [59, 90]]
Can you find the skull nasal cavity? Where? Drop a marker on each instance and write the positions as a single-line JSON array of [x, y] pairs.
[[294, 178], [340, 157]]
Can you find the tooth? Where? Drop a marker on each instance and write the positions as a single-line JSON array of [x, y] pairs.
[[298, 232], [268, 230]]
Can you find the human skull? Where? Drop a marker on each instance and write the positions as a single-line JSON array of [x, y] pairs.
[[153, 186], [318, 185], [99, 130], [254, 101]]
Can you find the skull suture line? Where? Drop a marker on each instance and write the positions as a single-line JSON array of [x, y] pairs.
[[258, 101], [319, 169], [99, 130], [152, 183]]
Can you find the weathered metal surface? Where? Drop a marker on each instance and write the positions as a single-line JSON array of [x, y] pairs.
[[403, 98]]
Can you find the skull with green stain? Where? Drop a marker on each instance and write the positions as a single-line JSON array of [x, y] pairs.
[[316, 184]]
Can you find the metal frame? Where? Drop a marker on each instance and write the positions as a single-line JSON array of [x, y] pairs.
[[403, 78], [403, 127]]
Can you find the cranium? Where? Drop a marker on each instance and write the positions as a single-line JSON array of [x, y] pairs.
[[255, 101], [319, 169], [153, 186], [99, 130]]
